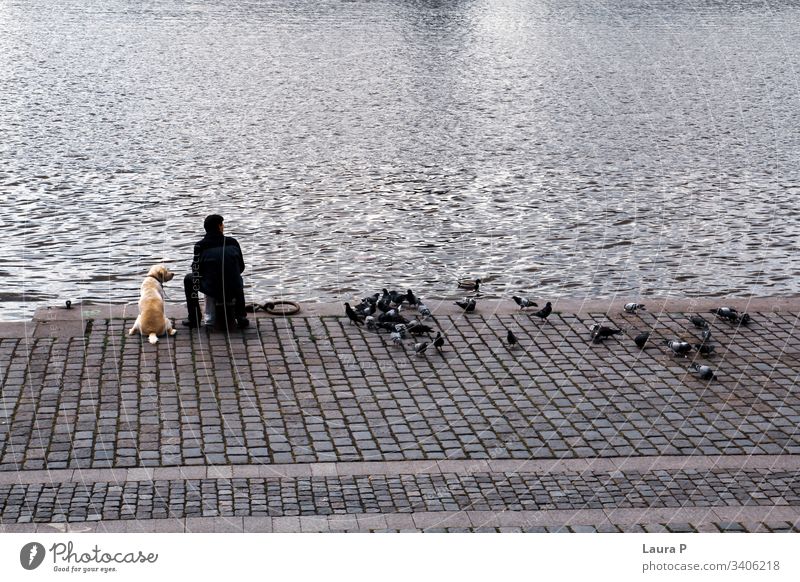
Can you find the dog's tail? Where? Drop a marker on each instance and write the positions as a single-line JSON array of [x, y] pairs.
[[152, 338]]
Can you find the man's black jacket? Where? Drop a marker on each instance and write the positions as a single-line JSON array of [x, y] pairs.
[[218, 261]]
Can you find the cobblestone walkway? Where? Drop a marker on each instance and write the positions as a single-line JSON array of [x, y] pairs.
[[299, 423]]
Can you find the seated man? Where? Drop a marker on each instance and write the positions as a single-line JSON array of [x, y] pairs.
[[217, 267]]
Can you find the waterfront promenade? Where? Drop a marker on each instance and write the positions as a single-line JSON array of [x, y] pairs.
[[308, 423]]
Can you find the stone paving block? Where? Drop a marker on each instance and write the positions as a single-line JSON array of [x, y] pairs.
[[199, 525], [343, 523], [257, 524], [429, 520], [140, 474], [286, 525], [284, 470], [323, 470], [367, 522], [314, 524], [228, 525]]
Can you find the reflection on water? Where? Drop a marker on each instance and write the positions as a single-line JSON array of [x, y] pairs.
[[562, 147]]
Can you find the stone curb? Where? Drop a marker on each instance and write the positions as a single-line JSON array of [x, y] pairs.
[[655, 305], [599, 519], [393, 468]]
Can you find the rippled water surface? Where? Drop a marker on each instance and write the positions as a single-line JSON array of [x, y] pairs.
[[559, 147]]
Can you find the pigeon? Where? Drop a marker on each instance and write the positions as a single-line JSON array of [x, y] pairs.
[[417, 328], [524, 302], [68, 304], [401, 329], [392, 316], [397, 338], [352, 315], [420, 348], [370, 321], [545, 311], [641, 339], [728, 313], [470, 284], [601, 332], [396, 297], [704, 372], [438, 342], [744, 319], [411, 298], [632, 307], [468, 305], [680, 348], [424, 310], [698, 320], [704, 348], [706, 335], [511, 339]]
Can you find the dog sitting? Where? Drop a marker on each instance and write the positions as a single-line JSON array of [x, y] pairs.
[[152, 320]]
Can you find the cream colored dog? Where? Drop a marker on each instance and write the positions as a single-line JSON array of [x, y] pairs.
[[152, 320]]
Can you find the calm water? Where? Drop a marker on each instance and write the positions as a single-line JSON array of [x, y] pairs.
[[560, 147]]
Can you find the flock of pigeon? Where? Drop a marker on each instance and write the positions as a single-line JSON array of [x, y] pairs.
[[381, 312], [384, 312], [679, 347]]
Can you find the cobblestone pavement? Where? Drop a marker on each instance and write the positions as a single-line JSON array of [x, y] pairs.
[[85, 407]]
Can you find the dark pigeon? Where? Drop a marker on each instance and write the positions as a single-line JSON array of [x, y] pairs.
[[728, 313], [601, 332], [438, 342], [698, 320], [704, 348], [641, 339], [352, 315], [544, 312], [468, 305], [511, 339]]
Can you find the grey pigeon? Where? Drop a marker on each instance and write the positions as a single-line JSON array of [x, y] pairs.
[[524, 302], [706, 335], [704, 372], [420, 348], [397, 338], [679, 347], [632, 307], [424, 310]]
